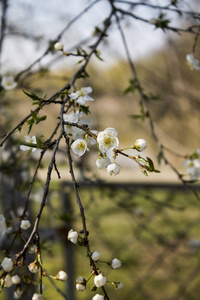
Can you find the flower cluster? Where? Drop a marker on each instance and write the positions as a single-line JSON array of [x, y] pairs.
[[107, 141], [99, 279], [192, 165]]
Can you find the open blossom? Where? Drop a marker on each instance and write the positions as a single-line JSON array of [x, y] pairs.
[[113, 169], [73, 117], [91, 140], [140, 145], [100, 280], [58, 46], [115, 263], [107, 140], [25, 224], [98, 297], [75, 132], [37, 297], [102, 162], [79, 147], [192, 168], [62, 276], [193, 62], [7, 264], [95, 255], [73, 236], [8, 83], [82, 95], [31, 140]]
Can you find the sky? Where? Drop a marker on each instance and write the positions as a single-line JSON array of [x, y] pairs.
[[45, 19]]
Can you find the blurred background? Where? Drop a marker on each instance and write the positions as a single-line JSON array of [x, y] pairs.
[[150, 223]]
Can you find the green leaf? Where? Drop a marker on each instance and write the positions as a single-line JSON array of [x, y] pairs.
[[32, 96], [151, 165]]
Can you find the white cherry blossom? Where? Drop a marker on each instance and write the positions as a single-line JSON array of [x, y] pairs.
[[31, 140], [73, 236], [115, 263], [37, 297], [100, 280], [102, 162], [82, 95], [8, 83], [7, 264], [113, 169], [95, 255], [193, 62], [98, 297], [107, 140], [140, 145], [79, 147], [58, 46], [25, 224]]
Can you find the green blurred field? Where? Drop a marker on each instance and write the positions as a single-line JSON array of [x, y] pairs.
[[150, 231]]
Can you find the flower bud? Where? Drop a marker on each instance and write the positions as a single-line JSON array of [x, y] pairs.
[[25, 224], [95, 255], [34, 267], [98, 297], [58, 46], [62, 276], [115, 263], [80, 287], [80, 279], [113, 169], [73, 236], [119, 285], [100, 280], [7, 264], [102, 162], [16, 279], [32, 249], [140, 145], [37, 297]]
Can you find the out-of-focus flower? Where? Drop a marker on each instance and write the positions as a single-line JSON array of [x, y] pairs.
[[117, 285], [82, 95], [73, 236], [79, 147], [37, 297], [25, 224], [58, 46], [115, 263], [73, 117], [3, 227], [7, 281], [100, 280], [113, 169], [16, 279], [91, 140], [95, 255], [75, 132], [80, 287], [102, 162], [140, 145], [193, 62], [107, 140], [7, 264], [8, 83], [18, 292], [32, 248], [34, 267], [62, 276], [192, 168], [98, 297], [31, 140]]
